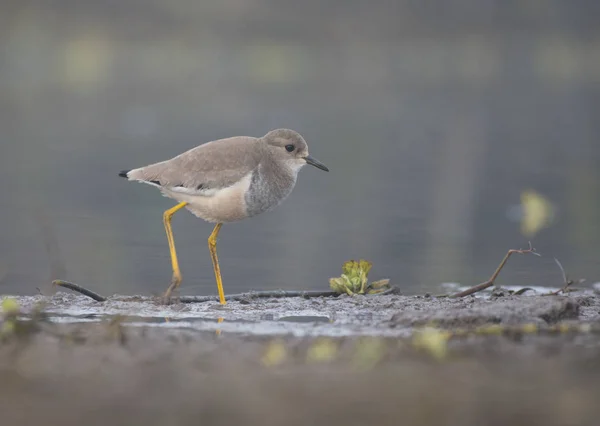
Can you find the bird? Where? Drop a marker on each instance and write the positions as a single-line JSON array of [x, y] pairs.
[[224, 181]]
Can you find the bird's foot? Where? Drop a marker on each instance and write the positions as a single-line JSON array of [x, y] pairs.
[[171, 296], [168, 299]]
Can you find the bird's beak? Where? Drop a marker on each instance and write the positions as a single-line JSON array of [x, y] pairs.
[[316, 163]]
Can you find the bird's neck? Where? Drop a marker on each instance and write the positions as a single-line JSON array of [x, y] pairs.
[[270, 185], [279, 175]]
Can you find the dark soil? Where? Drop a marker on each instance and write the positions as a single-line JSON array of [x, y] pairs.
[[519, 360]]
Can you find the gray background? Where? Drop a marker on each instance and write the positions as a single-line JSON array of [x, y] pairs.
[[433, 117]]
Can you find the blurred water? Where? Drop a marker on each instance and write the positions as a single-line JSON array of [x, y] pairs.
[[433, 118]]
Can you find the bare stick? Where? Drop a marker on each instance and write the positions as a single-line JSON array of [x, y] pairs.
[[568, 282], [490, 282], [79, 289], [200, 299], [47, 229], [257, 295], [269, 294]]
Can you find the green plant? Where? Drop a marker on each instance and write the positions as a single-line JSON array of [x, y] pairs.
[[354, 279]]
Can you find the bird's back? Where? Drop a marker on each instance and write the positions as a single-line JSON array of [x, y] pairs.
[[224, 180], [210, 166]]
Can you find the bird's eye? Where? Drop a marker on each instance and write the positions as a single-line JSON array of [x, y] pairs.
[[289, 148]]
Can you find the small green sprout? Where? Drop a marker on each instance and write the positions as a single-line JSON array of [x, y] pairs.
[[322, 350], [9, 306], [432, 341], [15, 323], [354, 279], [10, 310], [275, 353], [369, 351]]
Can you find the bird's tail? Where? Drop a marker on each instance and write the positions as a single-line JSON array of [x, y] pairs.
[[142, 174]]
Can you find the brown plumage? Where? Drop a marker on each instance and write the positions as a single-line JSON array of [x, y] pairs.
[[227, 180], [213, 165]]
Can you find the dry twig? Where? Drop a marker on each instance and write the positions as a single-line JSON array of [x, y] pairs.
[[79, 289], [269, 294], [200, 299], [568, 282], [490, 282], [50, 240]]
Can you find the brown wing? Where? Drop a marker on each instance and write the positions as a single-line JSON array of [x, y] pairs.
[[211, 166]]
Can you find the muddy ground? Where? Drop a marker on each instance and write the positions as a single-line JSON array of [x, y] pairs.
[[519, 360]]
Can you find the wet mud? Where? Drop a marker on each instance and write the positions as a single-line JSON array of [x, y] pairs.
[[521, 360]]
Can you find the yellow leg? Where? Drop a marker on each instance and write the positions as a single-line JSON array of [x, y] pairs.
[[212, 246], [176, 280]]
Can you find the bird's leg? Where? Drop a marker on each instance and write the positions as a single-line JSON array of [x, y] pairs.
[[212, 246], [176, 280]]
